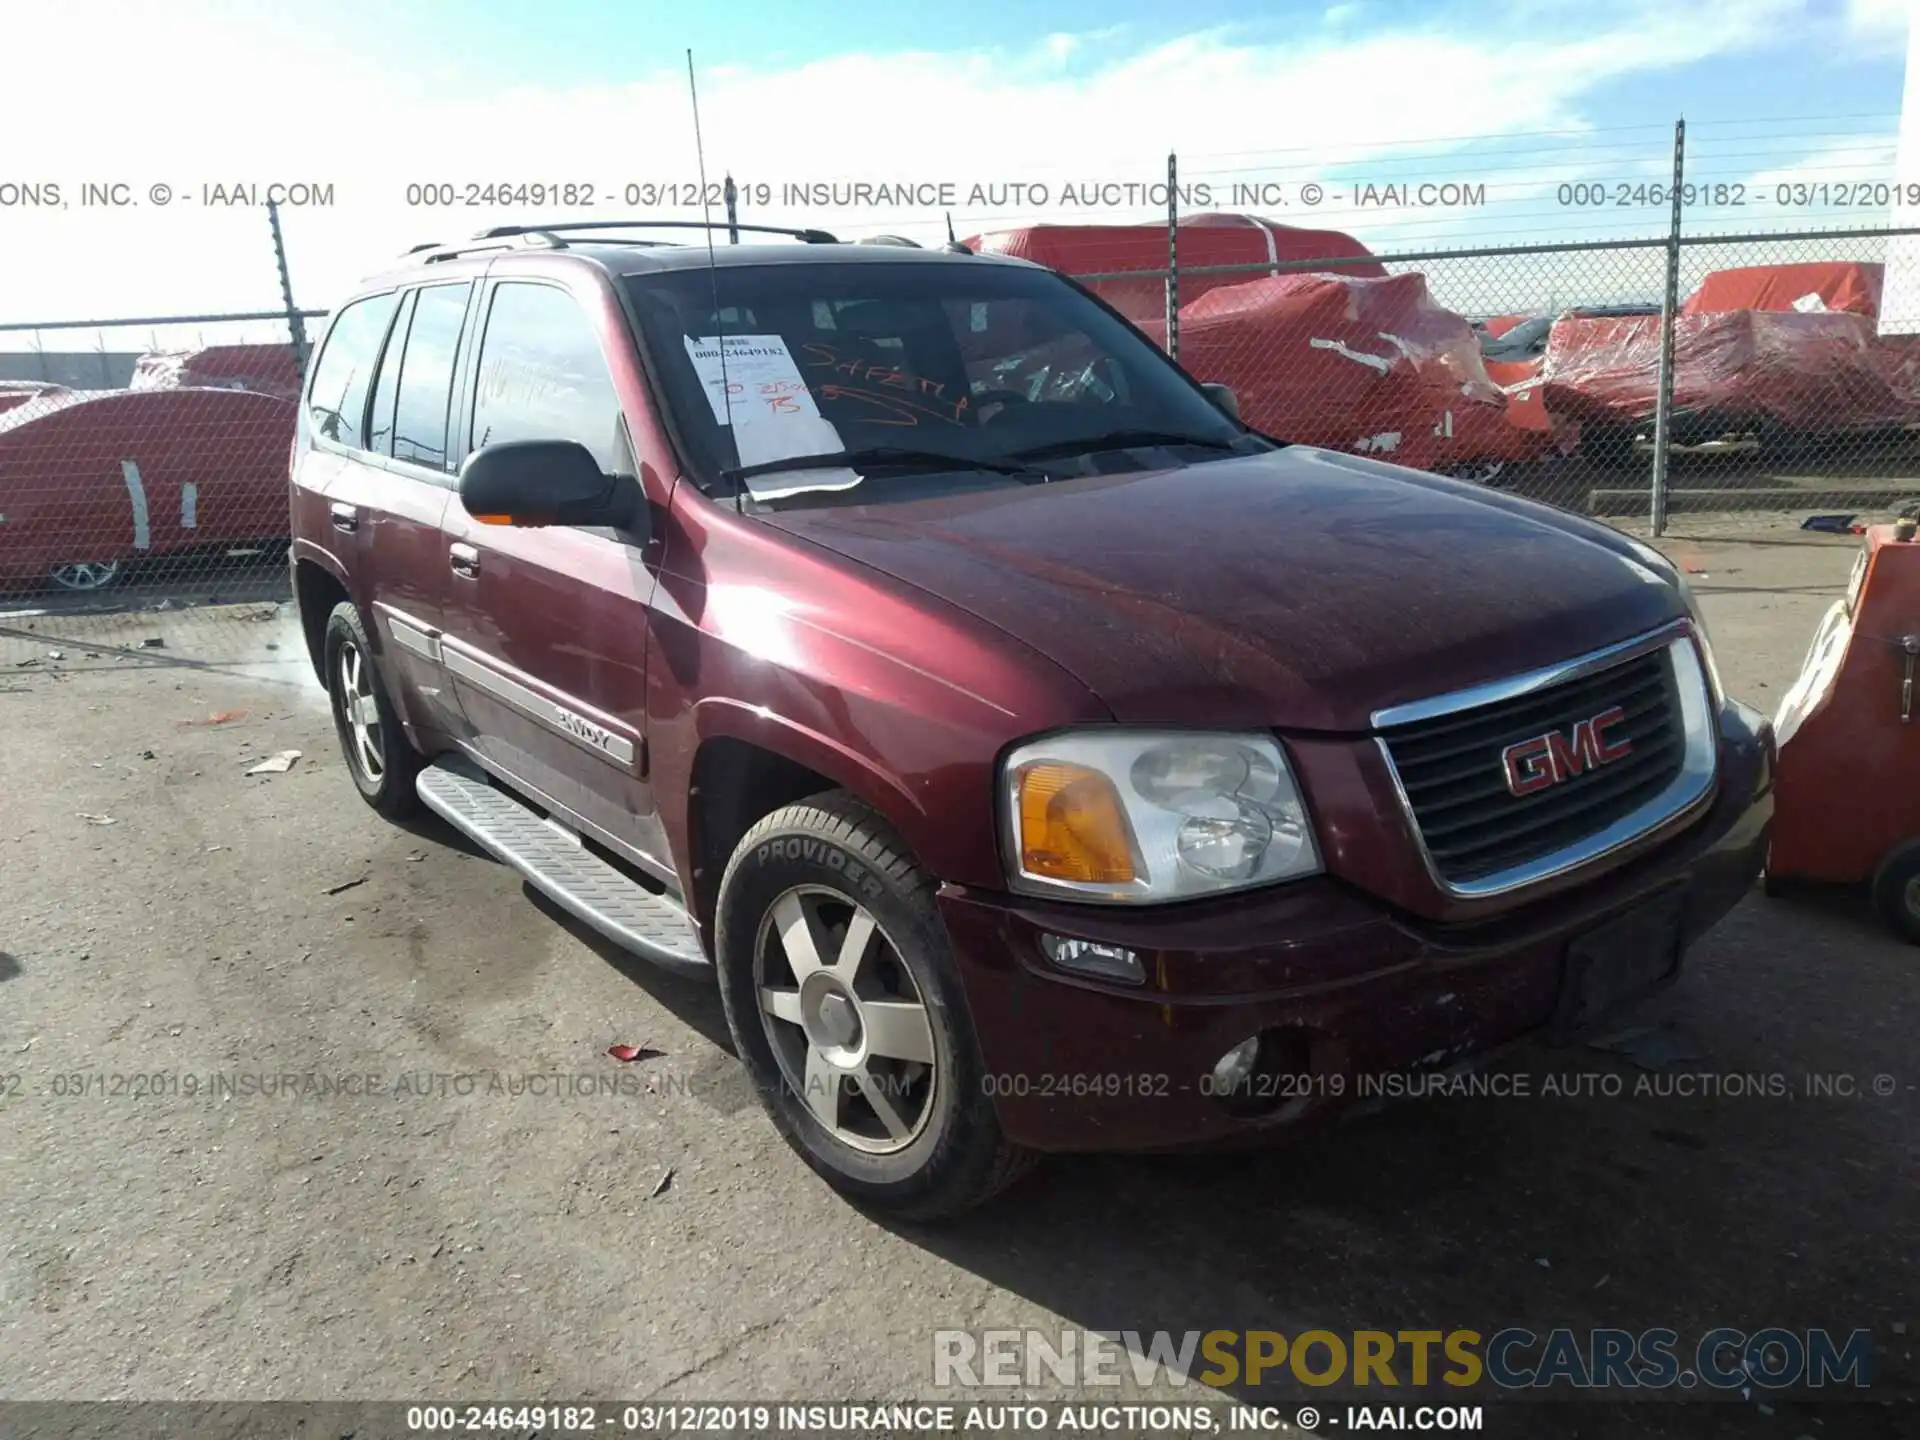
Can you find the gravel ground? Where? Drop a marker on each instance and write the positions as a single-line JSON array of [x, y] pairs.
[[464, 1231]]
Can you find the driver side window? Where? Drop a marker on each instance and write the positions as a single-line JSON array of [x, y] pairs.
[[542, 376]]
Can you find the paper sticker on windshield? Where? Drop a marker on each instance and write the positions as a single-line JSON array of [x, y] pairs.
[[755, 381]]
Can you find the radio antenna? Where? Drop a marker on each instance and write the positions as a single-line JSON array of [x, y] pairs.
[[713, 274]]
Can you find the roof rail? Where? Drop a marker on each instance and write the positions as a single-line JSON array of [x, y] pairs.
[[811, 237], [529, 238]]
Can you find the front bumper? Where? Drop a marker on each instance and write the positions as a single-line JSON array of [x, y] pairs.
[[1078, 1064]]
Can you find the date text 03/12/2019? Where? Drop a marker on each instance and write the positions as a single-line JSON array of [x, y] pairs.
[[1737, 195]]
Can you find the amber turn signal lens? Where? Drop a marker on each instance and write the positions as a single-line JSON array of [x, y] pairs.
[[1071, 825]]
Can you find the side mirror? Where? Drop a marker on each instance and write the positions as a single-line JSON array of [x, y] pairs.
[[1223, 396], [546, 482]]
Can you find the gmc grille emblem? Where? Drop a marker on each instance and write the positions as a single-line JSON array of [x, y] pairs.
[[1533, 765]]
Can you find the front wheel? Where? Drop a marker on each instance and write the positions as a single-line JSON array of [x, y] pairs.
[[85, 575], [842, 997], [383, 763], [1896, 891]]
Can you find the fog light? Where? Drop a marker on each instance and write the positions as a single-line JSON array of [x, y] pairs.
[[1109, 962], [1234, 1068]]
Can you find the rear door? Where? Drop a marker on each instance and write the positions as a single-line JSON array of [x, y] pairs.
[[391, 498], [547, 629]]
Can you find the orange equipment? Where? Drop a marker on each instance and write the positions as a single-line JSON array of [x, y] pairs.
[[1847, 802]]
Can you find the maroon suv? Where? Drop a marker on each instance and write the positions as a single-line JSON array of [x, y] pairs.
[[1039, 759]]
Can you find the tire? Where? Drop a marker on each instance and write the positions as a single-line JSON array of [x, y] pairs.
[[1771, 885], [380, 758], [816, 1050], [1896, 891], [85, 576]]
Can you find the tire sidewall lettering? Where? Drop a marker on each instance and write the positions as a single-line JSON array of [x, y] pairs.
[[810, 850]]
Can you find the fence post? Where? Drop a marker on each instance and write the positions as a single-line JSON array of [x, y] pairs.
[[1669, 308], [1173, 257], [732, 195], [296, 326]]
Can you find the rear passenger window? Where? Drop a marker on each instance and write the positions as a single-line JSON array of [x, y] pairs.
[[426, 376], [380, 418], [542, 376], [337, 399]]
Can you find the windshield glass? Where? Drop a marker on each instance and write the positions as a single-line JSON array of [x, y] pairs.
[[983, 362]]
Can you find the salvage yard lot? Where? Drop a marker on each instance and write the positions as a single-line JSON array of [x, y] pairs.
[[659, 1241]]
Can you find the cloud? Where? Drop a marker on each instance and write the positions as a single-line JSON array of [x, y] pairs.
[[299, 97], [1854, 161], [1878, 17]]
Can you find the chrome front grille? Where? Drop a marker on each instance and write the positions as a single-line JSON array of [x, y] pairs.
[[1449, 759]]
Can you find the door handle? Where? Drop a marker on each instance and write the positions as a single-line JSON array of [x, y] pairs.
[[344, 517], [464, 559]]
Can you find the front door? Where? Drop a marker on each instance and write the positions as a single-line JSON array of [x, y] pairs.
[[546, 634]]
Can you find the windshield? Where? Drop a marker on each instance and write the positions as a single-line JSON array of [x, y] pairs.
[[986, 363]]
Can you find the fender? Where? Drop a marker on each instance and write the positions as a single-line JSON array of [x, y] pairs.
[[305, 549], [311, 626], [718, 716]]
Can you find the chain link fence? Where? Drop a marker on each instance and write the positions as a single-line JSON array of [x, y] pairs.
[[152, 511], [1664, 369], [1546, 370]]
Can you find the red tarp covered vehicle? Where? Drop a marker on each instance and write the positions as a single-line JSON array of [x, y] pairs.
[[15, 393], [263, 369], [1204, 240], [1354, 363], [1820, 285], [1762, 350], [90, 480], [1737, 371]]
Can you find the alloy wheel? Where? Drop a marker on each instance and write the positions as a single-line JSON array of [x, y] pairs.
[[1910, 897], [360, 711], [846, 1020], [86, 575]]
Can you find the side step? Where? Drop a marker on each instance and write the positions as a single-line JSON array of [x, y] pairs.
[[652, 926]]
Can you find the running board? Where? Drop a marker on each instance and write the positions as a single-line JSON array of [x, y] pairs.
[[552, 860]]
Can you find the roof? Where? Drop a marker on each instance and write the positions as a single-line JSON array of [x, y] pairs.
[[1808, 286], [657, 258]]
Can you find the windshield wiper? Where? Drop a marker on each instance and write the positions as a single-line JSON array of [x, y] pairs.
[[877, 455], [1119, 440]]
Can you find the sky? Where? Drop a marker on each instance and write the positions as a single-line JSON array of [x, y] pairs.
[[1549, 118]]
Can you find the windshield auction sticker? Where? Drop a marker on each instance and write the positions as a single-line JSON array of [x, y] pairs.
[[754, 387], [750, 379]]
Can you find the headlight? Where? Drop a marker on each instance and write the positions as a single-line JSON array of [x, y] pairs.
[[1152, 815], [1668, 572]]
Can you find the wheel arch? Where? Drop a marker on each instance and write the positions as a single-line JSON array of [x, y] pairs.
[[748, 763], [318, 586]]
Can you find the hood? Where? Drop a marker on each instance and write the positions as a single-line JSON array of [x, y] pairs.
[[1298, 589]]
